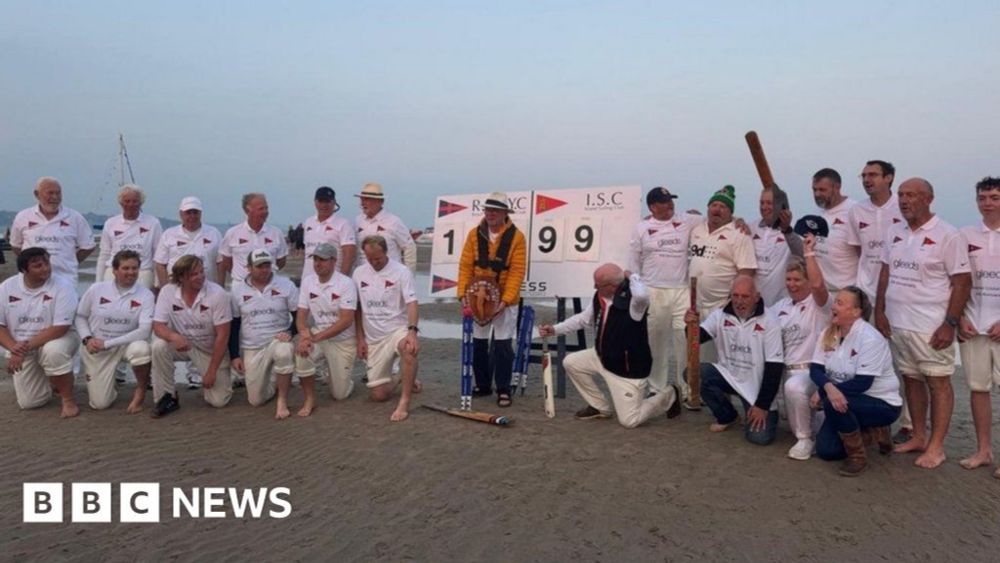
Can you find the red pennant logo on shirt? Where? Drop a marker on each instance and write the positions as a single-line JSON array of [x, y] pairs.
[[32, 224], [360, 229], [247, 298], [243, 241], [133, 304], [308, 229], [178, 308], [545, 203], [202, 308], [862, 225], [651, 231], [275, 292], [676, 224], [728, 323], [12, 299], [928, 242], [389, 283], [328, 228], [46, 297], [206, 241], [267, 240], [63, 223], [783, 314], [837, 221], [364, 284], [105, 301], [181, 243], [441, 284], [896, 220], [722, 237], [143, 230], [379, 229], [756, 236], [312, 295], [973, 248], [853, 352], [447, 208], [896, 239], [334, 296], [119, 233], [802, 309], [779, 239], [757, 328]]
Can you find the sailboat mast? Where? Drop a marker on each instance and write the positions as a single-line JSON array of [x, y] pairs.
[[123, 162]]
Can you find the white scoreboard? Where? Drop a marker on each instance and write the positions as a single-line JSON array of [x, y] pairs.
[[569, 233]]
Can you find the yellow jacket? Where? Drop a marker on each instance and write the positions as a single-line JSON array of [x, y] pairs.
[[510, 279]]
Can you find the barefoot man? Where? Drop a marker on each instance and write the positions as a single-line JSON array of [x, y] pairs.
[[325, 319], [386, 322], [922, 291], [115, 320], [35, 323], [260, 339]]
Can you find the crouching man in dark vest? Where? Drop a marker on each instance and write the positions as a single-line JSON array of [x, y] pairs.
[[490, 273], [620, 355]]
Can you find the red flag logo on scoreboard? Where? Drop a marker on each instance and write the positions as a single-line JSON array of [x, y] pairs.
[[441, 284], [447, 208], [545, 203]]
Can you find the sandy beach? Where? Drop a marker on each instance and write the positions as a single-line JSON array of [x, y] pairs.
[[437, 488]]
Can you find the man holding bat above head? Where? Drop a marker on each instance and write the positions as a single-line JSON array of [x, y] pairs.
[[621, 354], [658, 252]]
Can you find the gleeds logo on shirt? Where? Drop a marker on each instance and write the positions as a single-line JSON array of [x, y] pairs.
[[140, 502]]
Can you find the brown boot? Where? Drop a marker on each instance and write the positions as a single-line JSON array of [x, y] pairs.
[[857, 459], [883, 437]]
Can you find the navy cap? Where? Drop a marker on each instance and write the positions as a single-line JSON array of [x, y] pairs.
[[325, 193], [659, 195], [812, 224]]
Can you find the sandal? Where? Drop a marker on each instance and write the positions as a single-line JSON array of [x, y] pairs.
[[504, 400]]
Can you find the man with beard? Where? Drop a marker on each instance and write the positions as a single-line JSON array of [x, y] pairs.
[[838, 260]]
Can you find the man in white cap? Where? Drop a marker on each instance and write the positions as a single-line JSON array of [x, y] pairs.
[[375, 220], [386, 325], [260, 337], [36, 323], [60, 230], [250, 235], [114, 321], [130, 230], [327, 227], [190, 237], [325, 320], [494, 252]]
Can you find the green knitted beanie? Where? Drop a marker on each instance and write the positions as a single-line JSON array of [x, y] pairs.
[[727, 195]]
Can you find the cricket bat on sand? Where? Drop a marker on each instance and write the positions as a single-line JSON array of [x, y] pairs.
[[694, 352], [550, 400], [764, 171], [486, 417]]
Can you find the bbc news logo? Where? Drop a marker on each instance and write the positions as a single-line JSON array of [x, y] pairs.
[[140, 502]]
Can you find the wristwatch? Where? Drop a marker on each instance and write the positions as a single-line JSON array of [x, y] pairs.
[[86, 339], [952, 321], [414, 328]]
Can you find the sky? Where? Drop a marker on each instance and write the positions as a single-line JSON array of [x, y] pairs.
[[220, 98]]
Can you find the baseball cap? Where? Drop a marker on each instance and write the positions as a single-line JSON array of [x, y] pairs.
[[812, 224], [260, 256], [325, 192], [324, 251], [189, 203], [659, 195]]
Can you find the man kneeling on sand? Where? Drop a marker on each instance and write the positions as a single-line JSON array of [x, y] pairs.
[[386, 323], [751, 361], [621, 354]]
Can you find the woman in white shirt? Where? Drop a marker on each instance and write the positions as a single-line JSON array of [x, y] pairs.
[[856, 384]]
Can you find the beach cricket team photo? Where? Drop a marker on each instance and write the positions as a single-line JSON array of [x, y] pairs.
[[531, 282]]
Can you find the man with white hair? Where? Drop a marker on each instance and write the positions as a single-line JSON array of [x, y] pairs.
[[375, 220], [114, 321], [190, 237], [130, 230], [327, 227], [36, 323], [240, 240], [260, 337], [60, 230]]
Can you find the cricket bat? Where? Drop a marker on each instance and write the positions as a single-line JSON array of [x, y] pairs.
[[550, 400], [694, 352], [497, 420], [764, 171]]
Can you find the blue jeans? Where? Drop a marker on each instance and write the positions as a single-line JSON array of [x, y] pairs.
[[862, 412], [715, 391]]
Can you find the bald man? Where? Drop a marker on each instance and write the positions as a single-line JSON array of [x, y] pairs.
[[62, 231], [923, 288], [751, 361], [621, 354]]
